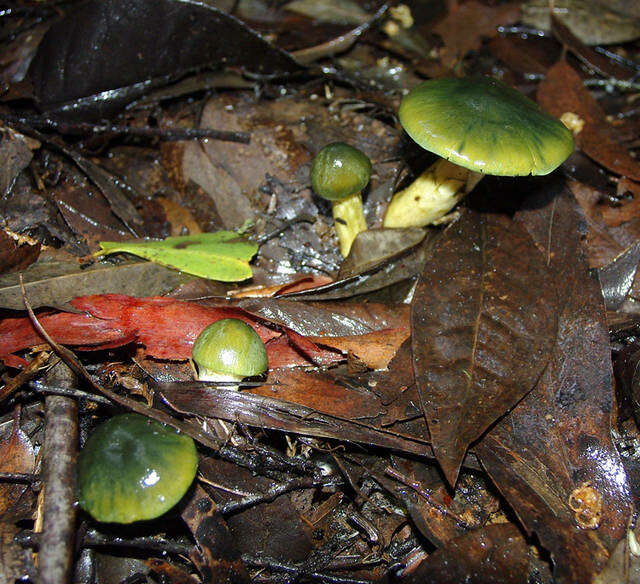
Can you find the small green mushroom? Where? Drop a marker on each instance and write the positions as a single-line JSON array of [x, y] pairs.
[[133, 468], [339, 173], [479, 126], [229, 350]]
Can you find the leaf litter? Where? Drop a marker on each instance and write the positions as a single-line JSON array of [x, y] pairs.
[[478, 439]]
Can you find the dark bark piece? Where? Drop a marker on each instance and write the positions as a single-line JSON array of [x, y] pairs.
[[552, 457], [496, 554], [483, 320], [59, 478], [120, 45]]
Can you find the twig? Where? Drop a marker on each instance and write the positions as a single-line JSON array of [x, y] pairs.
[[288, 568], [55, 558], [18, 477], [47, 388], [274, 492], [94, 539], [44, 123]]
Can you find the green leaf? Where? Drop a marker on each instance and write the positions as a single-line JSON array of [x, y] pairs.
[[222, 255]]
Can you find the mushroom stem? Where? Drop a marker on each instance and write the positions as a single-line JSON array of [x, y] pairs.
[[431, 196], [349, 221]]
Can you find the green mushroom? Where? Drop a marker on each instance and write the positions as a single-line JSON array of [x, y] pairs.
[[133, 468], [478, 126], [339, 173], [229, 350]]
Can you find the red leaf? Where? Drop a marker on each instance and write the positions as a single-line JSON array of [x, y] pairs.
[[167, 328]]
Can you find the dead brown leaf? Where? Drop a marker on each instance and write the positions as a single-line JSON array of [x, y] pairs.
[[562, 91], [466, 25]]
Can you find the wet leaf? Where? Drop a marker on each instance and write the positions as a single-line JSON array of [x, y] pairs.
[[594, 22], [55, 283], [495, 554], [332, 319], [87, 68], [616, 278], [552, 456], [271, 413], [562, 91], [222, 255], [482, 326]]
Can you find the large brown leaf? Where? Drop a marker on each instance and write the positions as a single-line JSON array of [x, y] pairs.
[[552, 456], [483, 318]]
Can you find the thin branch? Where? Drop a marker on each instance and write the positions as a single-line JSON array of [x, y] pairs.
[[44, 123]]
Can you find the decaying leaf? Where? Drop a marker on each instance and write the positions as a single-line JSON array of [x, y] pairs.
[[55, 283], [552, 457], [495, 554], [562, 91], [594, 22], [216, 555], [483, 318], [87, 67], [17, 455], [223, 255], [468, 23]]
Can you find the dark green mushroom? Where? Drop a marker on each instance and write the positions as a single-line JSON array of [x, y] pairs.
[[478, 126], [229, 350], [133, 468], [339, 173]]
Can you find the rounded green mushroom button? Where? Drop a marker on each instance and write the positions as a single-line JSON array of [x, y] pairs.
[[229, 350], [133, 468], [485, 126], [339, 171]]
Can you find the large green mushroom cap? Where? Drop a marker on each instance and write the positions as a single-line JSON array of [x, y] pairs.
[[339, 171], [133, 468], [485, 126], [229, 347]]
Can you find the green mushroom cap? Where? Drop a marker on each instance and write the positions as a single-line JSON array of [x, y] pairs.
[[133, 468], [339, 171], [485, 126], [229, 347]]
